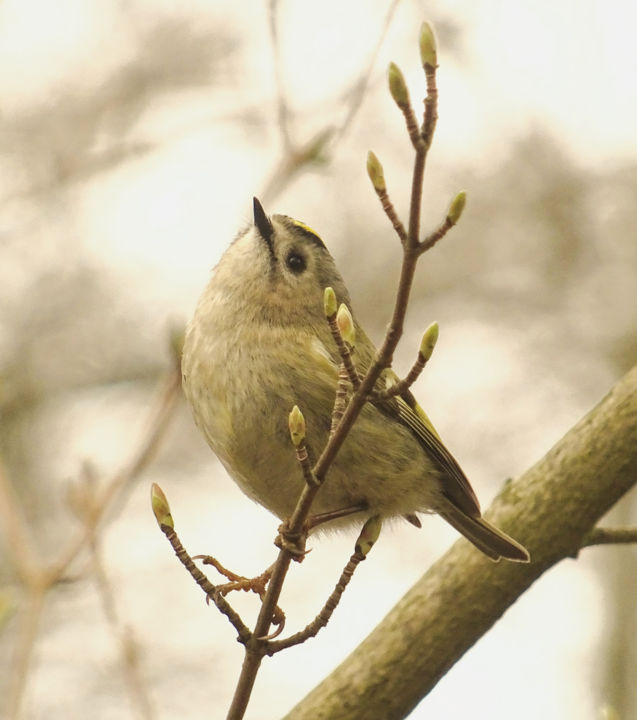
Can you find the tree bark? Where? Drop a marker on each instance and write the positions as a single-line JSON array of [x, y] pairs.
[[550, 509]]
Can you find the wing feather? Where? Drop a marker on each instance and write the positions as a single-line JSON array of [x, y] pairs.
[[455, 484]]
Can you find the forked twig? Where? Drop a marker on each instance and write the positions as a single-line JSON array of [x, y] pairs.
[[411, 252], [352, 393], [39, 577], [367, 538], [162, 513]]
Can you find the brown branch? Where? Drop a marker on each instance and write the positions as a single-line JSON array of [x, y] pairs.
[[431, 106], [283, 112], [298, 155], [390, 211], [424, 353], [212, 591], [128, 647], [357, 92], [39, 578], [256, 647], [344, 351], [323, 617], [610, 536], [168, 394], [340, 399], [553, 507], [435, 236]]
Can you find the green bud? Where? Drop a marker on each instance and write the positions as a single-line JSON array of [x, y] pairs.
[[296, 425], [161, 508], [375, 172], [369, 535], [329, 302], [397, 85], [345, 323], [456, 207], [429, 340], [427, 43]]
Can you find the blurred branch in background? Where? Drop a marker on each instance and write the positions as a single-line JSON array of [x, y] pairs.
[[548, 261], [295, 155], [39, 577], [82, 134], [55, 146]]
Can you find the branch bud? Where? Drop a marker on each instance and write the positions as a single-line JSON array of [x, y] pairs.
[[398, 86], [296, 424], [456, 207], [427, 43], [161, 508], [345, 323], [369, 535], [429, 340], [375, 172], [329, 302]]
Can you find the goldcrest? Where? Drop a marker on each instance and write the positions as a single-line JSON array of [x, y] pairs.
[[259, 343]]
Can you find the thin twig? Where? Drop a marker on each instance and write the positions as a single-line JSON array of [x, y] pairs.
[[359, 88], [27, 633], [128, 645], [296, 156], [37, 577], [19, 541], [412, 126], [340, 400], [283, 112], [402, 385], [165, 404], [256, 647], [435, 236], [391, 213], [303, 458], [212, 591], [345, 352], [431, 107], [610, 536], [323, 617]]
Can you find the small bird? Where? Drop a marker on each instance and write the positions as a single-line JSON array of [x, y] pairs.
[[259, 343]]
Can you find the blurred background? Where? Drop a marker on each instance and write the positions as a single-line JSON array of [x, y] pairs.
[[134, 135]]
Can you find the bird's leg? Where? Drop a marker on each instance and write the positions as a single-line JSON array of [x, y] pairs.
[[321, 518], [294, 543]]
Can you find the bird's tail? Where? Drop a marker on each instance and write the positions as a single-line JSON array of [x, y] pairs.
[[486, 537]]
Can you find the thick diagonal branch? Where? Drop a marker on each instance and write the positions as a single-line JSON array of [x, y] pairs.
[[551, 509]]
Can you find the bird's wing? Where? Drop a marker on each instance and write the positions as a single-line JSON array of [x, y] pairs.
[[456, 487], [405, 409]]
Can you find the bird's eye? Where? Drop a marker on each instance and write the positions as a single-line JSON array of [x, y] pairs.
[[296, 262]]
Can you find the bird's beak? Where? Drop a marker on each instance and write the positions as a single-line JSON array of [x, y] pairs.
[[262, 223]]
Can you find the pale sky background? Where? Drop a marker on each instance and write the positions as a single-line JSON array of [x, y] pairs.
[[156, 223]]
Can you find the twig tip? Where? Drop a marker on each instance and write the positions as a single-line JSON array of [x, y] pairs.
[[457, 207], [345, 324], [427, 43], [161, 508], [296, 425], [398, 86], [368, 535], [329, 302], [375, 172]]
